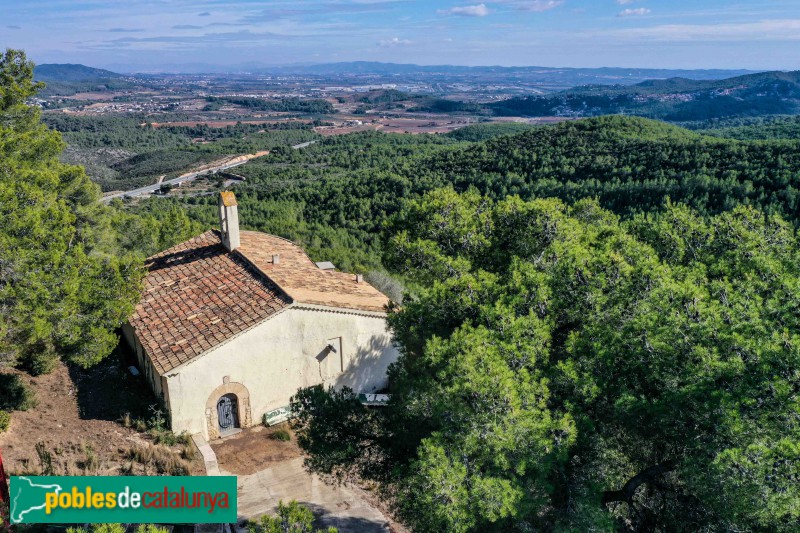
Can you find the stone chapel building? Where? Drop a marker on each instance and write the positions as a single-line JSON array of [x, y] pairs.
[[232, 323]]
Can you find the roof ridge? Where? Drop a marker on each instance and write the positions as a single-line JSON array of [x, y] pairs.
[[303, 250], [301, 279], [264, 275]]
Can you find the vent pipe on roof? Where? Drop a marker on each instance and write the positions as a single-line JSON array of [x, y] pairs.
[[359, 278], [276, 258], [229, 220]]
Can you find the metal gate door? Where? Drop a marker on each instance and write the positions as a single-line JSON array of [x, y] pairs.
[[226, 409]]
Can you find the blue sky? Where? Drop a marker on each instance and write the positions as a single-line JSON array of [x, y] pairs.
[[156, 34]]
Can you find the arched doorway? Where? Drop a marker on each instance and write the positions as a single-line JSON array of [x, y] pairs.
[[228, 408], [227, 413]]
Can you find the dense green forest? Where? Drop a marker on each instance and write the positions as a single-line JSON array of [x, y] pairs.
[[629, 164], [562, 370], [336, 196], [483, 132], [302, 194], [122, 153], [751, 129], [69, 266], [384, 96], [315, 106]]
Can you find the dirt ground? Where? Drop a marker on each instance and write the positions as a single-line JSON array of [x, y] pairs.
[[79, 419], [254, 449], [270, 471]]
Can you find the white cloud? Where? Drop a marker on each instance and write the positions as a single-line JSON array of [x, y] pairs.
[[638, 12], [540, 5], [479, 10], [534, 5], [394, 41]]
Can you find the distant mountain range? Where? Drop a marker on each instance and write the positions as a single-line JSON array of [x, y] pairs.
[[674, 99], [72, 72], [677, 84], [59, 76], [694, 95], [374, 67], [560, 77]]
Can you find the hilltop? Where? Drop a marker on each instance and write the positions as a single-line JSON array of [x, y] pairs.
[[673, 99], [67, 79], [72, 72]]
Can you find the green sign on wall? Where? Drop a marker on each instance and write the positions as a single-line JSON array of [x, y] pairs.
[[127, 499], [281, 414]]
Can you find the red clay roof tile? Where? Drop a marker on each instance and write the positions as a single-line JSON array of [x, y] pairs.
[[197, 294], [184, 297], [300, 278]]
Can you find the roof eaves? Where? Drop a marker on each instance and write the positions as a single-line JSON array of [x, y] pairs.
[[341, 310]]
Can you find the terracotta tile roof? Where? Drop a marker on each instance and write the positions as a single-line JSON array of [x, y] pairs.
[[299, 277], [196, 295]]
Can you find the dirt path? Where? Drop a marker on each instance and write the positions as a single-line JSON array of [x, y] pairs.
[[208, 168], [271, 470], [254, 449], [340, 506]]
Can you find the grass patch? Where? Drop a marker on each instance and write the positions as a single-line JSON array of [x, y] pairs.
[[161, 458], [156, 427], [90, 463], [45, 460], [188, 452], [281, 435], [168, 438]]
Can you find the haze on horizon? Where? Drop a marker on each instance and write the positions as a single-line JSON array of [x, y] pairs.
[[165, 34]]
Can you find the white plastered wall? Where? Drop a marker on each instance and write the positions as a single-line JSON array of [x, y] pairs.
[[278, 356]]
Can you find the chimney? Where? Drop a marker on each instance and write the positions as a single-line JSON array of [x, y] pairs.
[[359, 278], [276, 258], [229, 220]]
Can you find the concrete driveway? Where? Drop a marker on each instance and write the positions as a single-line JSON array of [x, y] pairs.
[[343, 507]]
